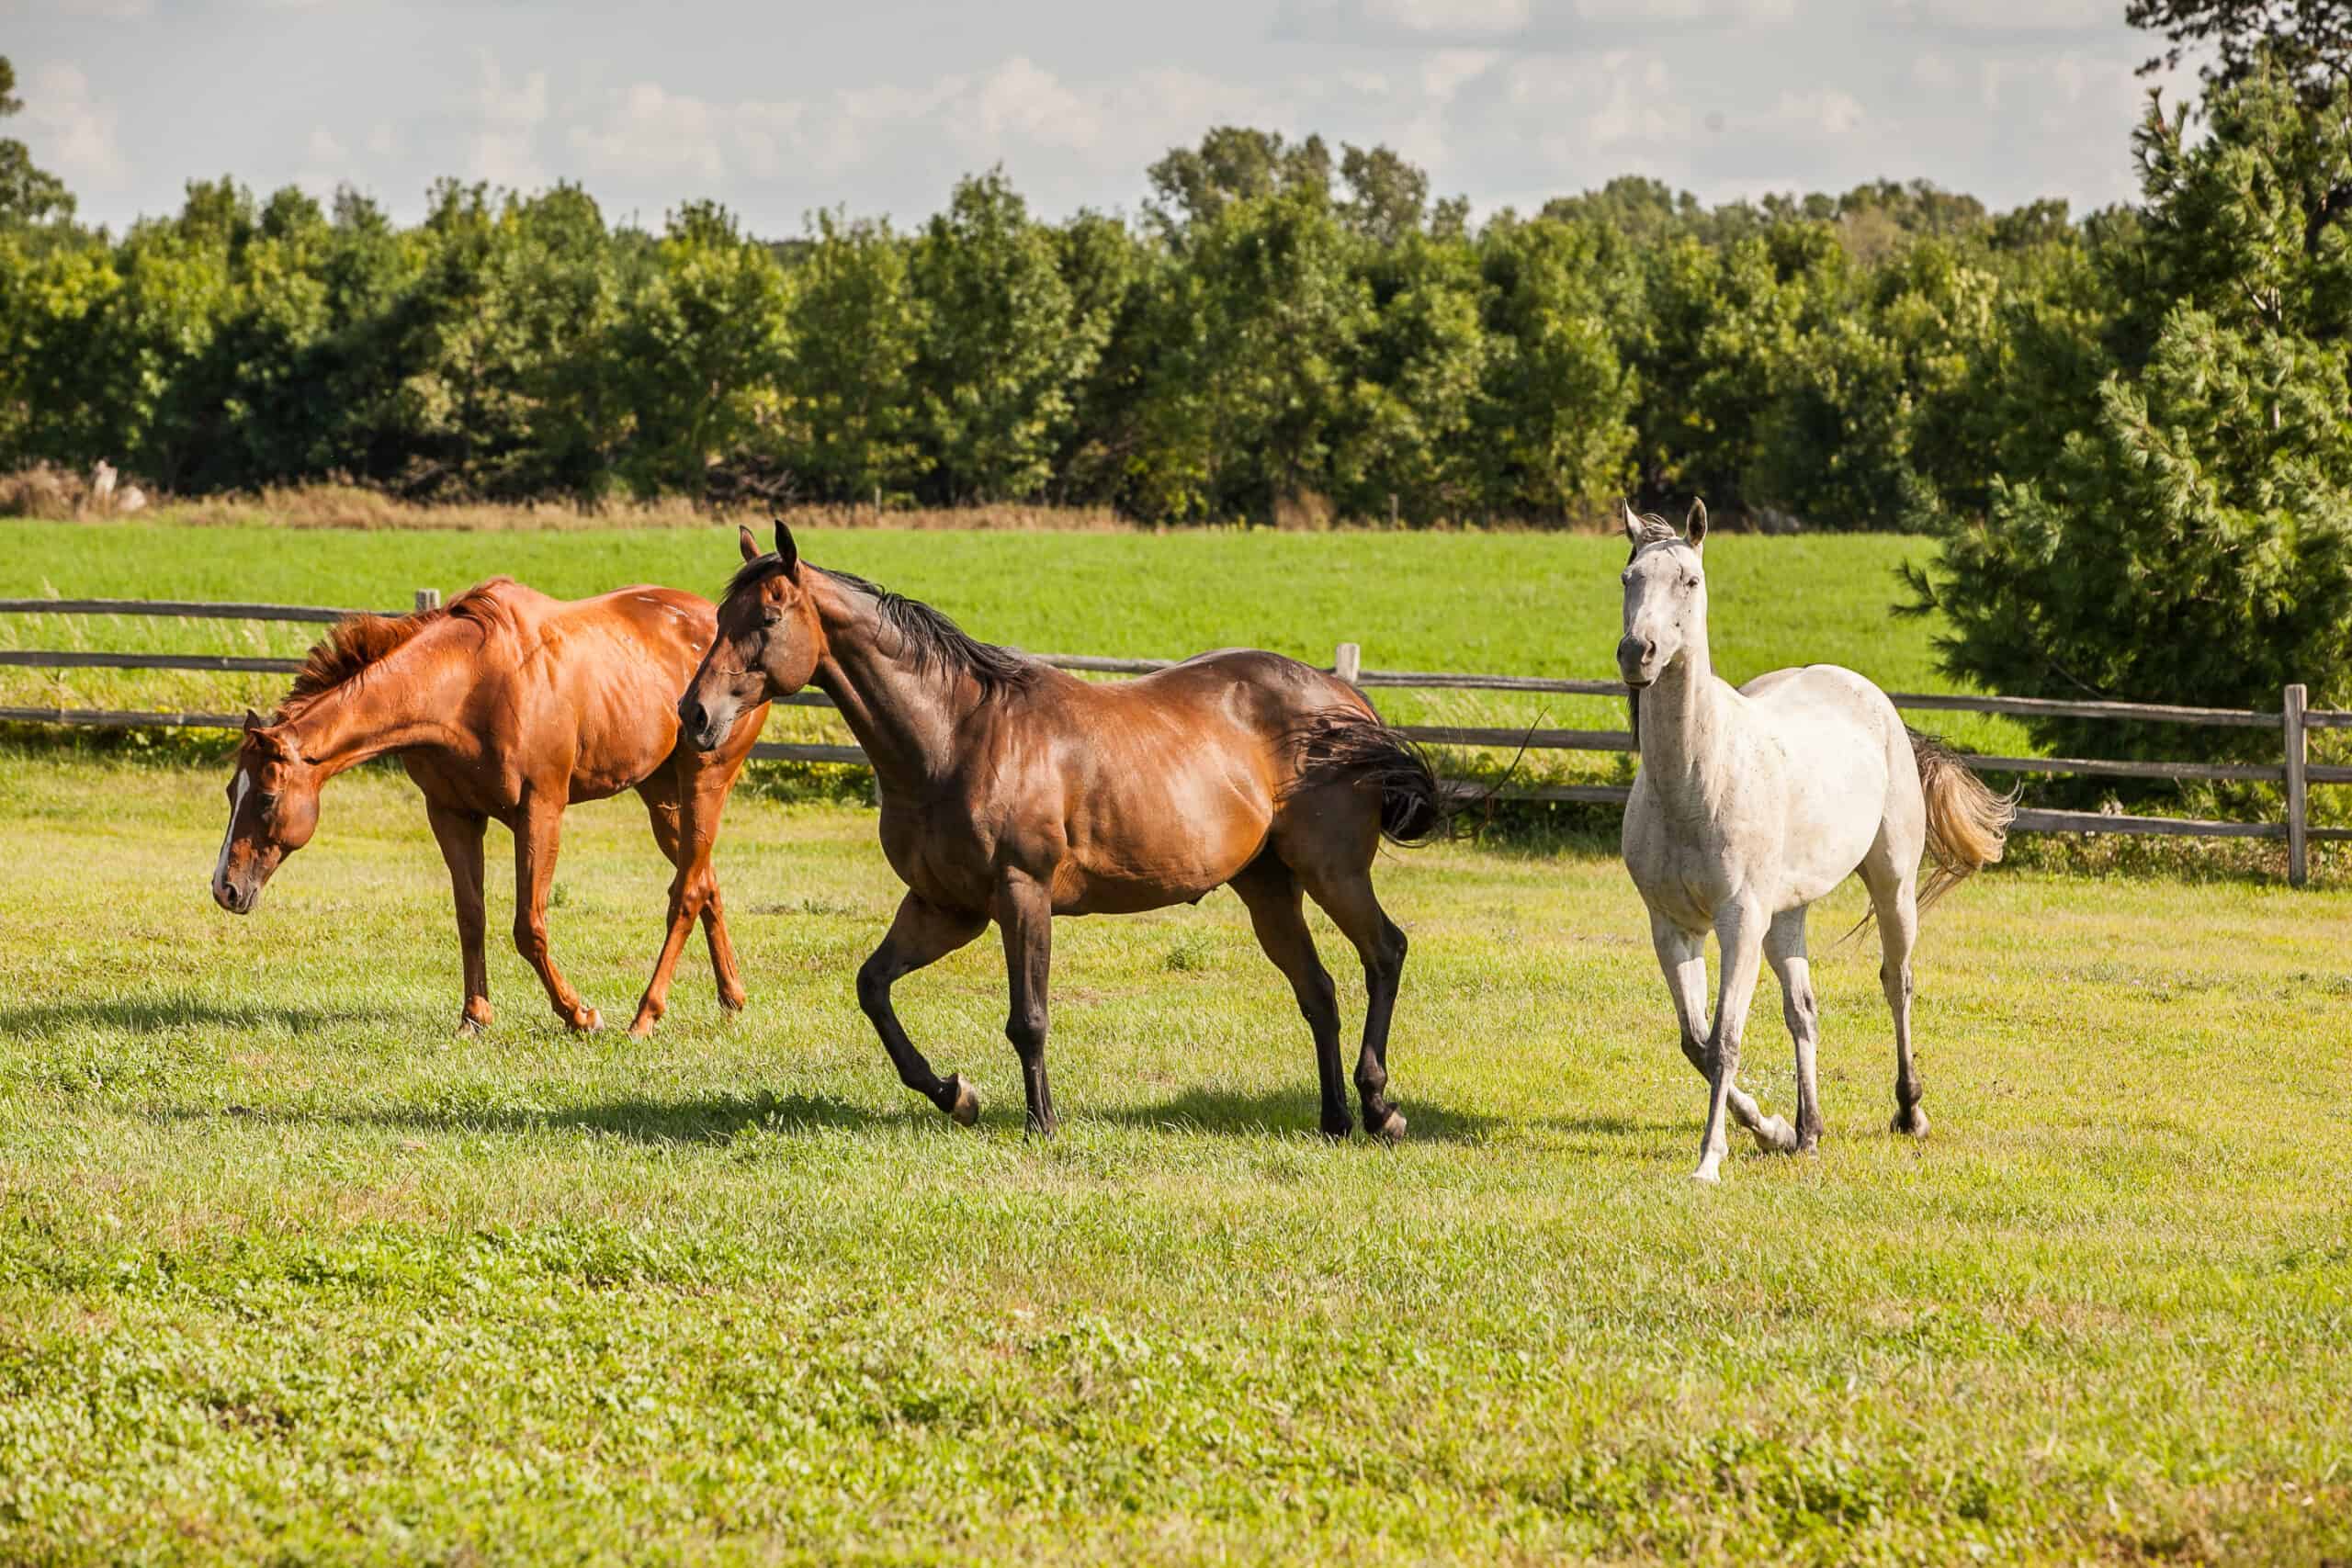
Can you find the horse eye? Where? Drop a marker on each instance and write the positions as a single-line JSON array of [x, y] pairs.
[[1690, 582], [771, 616], [1626, 577]]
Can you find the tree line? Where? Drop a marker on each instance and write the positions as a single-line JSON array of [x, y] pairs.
[[1279, 328]]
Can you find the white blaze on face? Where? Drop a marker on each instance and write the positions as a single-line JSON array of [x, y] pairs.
[[236, 804]]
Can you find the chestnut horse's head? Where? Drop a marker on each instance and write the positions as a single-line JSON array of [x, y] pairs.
[[273, 809], [768, 644]]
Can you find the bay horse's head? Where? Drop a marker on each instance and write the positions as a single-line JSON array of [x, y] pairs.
[[768, 644], [1666, 594], [273, 810]]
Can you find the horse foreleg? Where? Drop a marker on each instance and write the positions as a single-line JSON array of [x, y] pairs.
[[684, 811], [1741, 931], [538, 830], [1682, 957], [921, 934], [460, 834], [1024, 912]]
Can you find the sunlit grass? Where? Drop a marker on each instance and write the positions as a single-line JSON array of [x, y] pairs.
[[286, 1271]]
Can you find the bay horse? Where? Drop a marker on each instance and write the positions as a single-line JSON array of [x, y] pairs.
[[505, 705], [1014, 792], [1749, 805]]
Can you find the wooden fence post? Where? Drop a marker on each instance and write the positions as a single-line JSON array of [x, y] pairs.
[[1347, 662], [1391, 509], [428, 599], [2294, 700]]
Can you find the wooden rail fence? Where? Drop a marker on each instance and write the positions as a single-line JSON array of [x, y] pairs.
[[2294, 721]]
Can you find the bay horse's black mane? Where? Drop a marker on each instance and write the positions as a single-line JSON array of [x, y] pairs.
[[931, 638]]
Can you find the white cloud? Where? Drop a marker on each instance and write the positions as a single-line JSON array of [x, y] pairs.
[[652, 132], [72, 130], [1826, 110], [2014, 15], [503, 149], [383, 140]]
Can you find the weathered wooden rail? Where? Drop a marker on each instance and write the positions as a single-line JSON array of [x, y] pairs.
[[2294, 720]]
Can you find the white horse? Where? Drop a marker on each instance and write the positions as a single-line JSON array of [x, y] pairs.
[[1750, 805]]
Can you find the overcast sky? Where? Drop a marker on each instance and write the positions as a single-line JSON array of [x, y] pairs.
[[777, 108]]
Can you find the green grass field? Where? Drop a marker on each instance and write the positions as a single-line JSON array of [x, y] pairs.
[[287, 1272], [1497, 604]]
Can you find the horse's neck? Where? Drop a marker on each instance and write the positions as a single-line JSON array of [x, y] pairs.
[[405, 700], [903, 716], [1685, 720]]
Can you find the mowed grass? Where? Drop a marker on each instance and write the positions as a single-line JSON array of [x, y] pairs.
[[1497, 603], [288, 1273]]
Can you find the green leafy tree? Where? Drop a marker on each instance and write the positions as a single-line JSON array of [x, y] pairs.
[[2309, 40], [29, 195], [1003, 348], [704, 350], [1250, 342], [847, 381], [2190, 539], [1555, 436]]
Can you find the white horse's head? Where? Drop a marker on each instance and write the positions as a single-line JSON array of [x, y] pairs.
[[1666, 594]]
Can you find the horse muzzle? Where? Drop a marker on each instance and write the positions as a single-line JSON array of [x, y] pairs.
[[236, 899], [1637, 661], [702, 729]]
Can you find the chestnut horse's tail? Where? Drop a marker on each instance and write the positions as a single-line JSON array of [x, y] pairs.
[[1357, 749]]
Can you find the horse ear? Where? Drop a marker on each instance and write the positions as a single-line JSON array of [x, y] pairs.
[[747, 540], [1694, 528], [1633, 523], [253, 720], [786, 551]]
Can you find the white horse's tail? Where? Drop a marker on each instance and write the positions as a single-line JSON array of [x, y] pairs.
[[1968, 825]]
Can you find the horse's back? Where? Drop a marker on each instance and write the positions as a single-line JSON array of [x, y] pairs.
[[1136, 793], [595, 680]]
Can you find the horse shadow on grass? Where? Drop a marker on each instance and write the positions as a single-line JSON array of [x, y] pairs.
[[695, 1118], [1238, 1113], [177, 1011]]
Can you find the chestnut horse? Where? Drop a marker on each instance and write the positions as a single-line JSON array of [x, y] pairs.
[[1011, 791], [505, 705]]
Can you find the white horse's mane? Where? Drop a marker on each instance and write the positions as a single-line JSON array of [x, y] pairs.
[[1656, 530]]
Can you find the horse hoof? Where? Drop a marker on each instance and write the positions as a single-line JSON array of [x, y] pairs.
[[1706, 1173], [641, 1028], [1912, 1122], [1391, 1131], [965, 1109], [1776, 1137], [589, 1021], [470, 1028], [731, 1004]]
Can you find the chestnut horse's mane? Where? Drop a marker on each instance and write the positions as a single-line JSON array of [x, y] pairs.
[[932, 639], [359, 641]]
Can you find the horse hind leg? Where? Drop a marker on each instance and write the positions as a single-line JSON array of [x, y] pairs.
[[1345, 893], [1271, 892], [1893, 884], [537, 833], [1784, 949]]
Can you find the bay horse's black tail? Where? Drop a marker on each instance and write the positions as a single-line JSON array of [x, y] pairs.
[[1357, 749]]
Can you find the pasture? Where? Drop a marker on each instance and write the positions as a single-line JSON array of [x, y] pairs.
[[287, 1271]]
